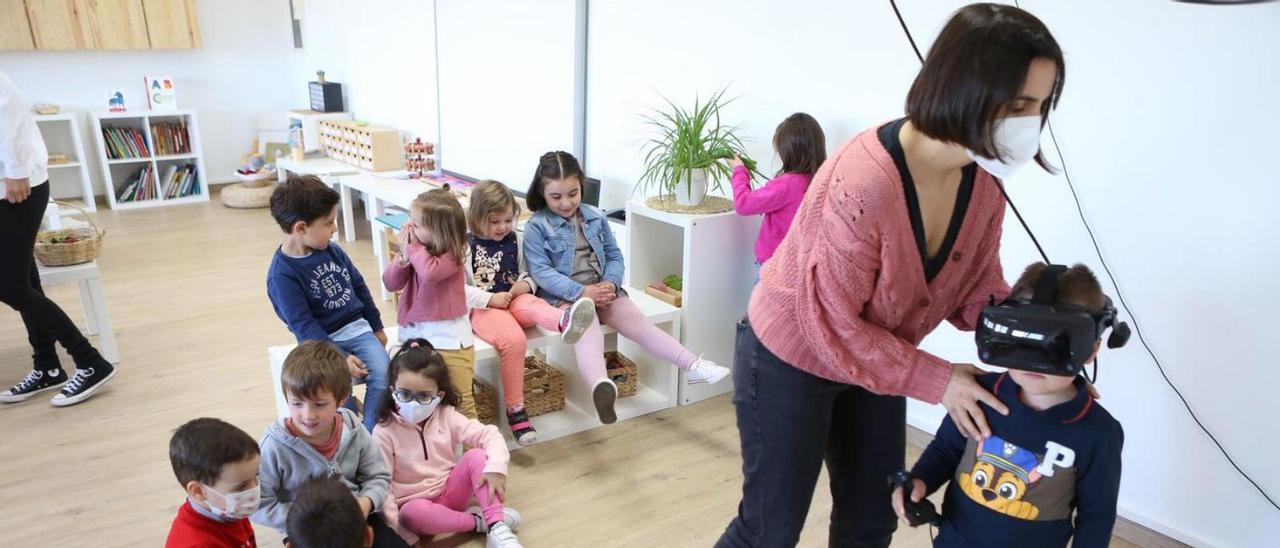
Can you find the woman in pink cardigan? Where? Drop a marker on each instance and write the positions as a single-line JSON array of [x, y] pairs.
[[899, 230]]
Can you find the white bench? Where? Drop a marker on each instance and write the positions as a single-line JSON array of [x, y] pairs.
[[657, 389], [92, 299]]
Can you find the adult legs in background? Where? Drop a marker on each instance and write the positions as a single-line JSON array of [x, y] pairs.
[[784, 419], [462, 369], [45, 321], [867, 442], [370, 350]]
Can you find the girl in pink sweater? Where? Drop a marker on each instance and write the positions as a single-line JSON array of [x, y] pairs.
[[418, 429], [802, 146], [438, 298]]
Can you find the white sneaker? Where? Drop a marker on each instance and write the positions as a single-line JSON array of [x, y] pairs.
[[576, 320], [501, 536], [510, 517], [706, 372]]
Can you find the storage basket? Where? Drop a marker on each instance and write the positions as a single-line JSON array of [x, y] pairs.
[[68, 246]]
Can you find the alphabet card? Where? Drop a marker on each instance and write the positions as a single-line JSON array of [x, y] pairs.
[[160, 93]]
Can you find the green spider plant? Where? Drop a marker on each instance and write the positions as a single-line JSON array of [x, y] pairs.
[[686, 140]]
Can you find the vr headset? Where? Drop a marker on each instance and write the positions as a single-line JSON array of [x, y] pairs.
[[1042, 337]]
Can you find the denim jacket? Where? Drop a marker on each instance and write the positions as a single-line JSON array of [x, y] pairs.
[[549, 242]]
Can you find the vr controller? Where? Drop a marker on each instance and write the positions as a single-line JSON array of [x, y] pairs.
[[1039, 336], [918, 513]]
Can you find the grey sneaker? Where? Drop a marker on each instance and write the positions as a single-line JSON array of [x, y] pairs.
[[576, 320], [604, 394], [37, 381]]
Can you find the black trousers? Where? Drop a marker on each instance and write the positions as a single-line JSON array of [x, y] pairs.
[[20, 286], [790, 422], [383, 535]]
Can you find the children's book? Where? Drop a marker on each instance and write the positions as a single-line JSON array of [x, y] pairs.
[[160, 93]]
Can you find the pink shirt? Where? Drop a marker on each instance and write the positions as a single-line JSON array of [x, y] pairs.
[[421, 460], [778, 200], [434, 287], [845, 297]]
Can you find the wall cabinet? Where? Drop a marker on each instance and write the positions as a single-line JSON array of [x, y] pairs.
[[98, 24]]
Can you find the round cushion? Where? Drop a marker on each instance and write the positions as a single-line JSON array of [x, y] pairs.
[[247, 195]]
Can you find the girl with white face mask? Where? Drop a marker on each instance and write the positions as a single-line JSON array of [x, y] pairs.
[[418, 429], [899, 230]]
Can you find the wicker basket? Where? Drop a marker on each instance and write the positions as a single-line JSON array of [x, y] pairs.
[[486, 401], [543, 387], [85, 248], [622, 371], [249, 195], [543, 392]]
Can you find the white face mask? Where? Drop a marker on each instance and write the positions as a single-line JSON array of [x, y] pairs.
[[415, 412], [1017, 139], [237, 505]]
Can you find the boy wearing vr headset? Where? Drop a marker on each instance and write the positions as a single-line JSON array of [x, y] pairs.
[[1051, 470]]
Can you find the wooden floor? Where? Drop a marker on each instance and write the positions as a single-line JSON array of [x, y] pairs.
[[186, 292]]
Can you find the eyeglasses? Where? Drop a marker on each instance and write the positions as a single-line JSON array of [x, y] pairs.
[[406, 396]]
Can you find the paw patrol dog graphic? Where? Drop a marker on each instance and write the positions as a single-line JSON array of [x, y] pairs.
[[1001, 477]]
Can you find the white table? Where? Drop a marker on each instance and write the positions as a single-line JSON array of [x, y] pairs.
[[92, 298]]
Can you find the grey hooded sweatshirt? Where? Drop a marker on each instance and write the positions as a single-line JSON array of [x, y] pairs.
[[288, 460]]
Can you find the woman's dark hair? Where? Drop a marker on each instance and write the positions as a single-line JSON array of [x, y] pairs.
[[975, 68], [800, 143], [417, 356], [554, 166]]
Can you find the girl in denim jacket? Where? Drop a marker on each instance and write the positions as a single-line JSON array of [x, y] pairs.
[[571, 254]]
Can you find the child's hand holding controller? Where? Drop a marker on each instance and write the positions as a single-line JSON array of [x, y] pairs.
[[356, 367], [497, 485]]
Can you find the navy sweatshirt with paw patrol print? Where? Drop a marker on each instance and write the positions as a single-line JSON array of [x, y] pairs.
[[1043, 477]]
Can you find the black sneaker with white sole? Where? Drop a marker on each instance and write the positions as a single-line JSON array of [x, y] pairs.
[[35, 382], [84, 384]]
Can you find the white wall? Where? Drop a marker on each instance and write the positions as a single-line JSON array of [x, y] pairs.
[[507, 85], [1167, 124], [383, 54], [234, 77]]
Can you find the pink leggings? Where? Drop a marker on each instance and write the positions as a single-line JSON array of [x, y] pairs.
[[504, 330], [446, 513], [623, 316]]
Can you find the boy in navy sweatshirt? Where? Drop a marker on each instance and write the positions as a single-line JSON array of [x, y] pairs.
[[318, 292], [1049, 473]]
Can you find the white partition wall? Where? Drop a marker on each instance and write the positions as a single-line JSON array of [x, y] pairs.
[[509, 80]]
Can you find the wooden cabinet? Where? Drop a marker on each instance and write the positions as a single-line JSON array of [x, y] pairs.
[[98, 24], [172, 23], [15, 31], [54, 24], [113, 24]]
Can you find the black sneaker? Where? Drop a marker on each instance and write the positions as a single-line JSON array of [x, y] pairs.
[[34, 383], [521, 429], [86, 381]]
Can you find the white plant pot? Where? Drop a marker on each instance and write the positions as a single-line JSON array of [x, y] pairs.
[[691, 192]]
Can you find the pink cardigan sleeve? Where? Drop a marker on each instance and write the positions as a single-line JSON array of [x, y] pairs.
[[426, 267], [837, 279], [766, 199]]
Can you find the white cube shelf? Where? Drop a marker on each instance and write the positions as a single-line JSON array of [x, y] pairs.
[[117, 172]]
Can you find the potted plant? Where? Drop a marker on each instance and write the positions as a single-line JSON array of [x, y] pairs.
[[690, 150]]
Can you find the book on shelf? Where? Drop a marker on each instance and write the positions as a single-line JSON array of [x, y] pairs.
[[139, 187], [124, 142], [170, 138], [180, 182]]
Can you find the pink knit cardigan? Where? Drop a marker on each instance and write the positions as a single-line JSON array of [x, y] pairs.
[[845, 297]]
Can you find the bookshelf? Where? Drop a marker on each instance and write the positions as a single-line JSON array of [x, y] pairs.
[[148, 160], [61, 134]]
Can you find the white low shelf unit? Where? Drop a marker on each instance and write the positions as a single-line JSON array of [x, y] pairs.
[[658, 386], [116, 172]]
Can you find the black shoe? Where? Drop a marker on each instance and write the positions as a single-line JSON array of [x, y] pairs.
[[86, 381], [521, 429], [34, 383], [604, 395]]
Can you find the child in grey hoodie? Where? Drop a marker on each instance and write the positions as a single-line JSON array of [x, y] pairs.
[[319, 438]]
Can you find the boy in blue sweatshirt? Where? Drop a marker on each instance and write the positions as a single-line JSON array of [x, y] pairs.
[[1050, 472], [318, 292]]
